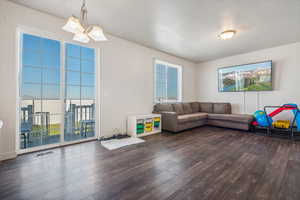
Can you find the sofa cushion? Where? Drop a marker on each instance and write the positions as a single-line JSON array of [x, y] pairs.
[[195, 107], [165, 107], [187, 108], [222, 108], [241, 118], [178, 108], [191, 117], [206, 107]]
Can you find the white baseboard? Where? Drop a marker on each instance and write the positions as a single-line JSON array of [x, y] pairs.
[[7, 155]]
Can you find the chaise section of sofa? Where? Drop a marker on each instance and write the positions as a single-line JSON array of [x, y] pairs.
[[181, 116], [237, 121]]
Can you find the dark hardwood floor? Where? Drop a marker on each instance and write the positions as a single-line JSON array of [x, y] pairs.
[[203, 163]]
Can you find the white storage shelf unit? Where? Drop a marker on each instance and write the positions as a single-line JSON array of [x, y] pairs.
[[142, 125]]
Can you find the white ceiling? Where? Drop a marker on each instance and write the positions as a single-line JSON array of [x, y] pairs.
[[189, 28]]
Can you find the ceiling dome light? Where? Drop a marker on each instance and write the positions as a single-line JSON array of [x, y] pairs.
[[227, 34]]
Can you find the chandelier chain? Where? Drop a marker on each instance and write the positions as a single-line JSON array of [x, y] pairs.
[[83, 15]]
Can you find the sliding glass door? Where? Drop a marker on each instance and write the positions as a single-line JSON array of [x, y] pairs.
[[40, 92], [80, 93], [57, 103]]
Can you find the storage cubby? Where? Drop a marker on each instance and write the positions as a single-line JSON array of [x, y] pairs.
[[142, 125]]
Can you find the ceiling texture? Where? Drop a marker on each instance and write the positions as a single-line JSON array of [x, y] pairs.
[[189, 28]]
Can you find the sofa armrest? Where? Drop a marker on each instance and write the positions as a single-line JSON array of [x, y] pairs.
[[169, 121]]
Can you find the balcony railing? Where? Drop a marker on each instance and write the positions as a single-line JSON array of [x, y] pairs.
[[37, 129]]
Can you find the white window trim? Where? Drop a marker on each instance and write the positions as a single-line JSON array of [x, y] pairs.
[[179, 89]]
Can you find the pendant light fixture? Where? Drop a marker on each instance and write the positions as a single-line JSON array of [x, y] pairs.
[[82, 30]]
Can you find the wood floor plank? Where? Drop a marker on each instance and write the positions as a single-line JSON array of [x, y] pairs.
[[203, 163]]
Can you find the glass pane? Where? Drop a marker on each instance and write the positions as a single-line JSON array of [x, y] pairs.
[[87, 93], [69, 103], [72, 120], [51, 56], [172, 81], [31, 130], [34, 105], [87, 53], [27, 117], [88, 66], [73, 50], [31, 42], [31, 75], [32, 58], [40, 128], [51, 60], [88, 118], [73, 92], [45, 130], [51, 106], [31, 91], [51, 92], [53, 129], [50, 128], [73, 78], [51, 76], [79, 120], [88, 109], [26, 120], [87, 79], [51, 47], [87, 127], [160, 85], [73, 64]]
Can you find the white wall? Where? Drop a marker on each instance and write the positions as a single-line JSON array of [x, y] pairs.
[[286, 79], [126, 79]]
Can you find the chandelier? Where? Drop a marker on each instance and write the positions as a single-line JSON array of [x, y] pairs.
[[81, 29]]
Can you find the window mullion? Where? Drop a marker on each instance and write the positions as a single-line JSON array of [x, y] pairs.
[[42, 93], [62, 90], [166, 89], [80, 87]]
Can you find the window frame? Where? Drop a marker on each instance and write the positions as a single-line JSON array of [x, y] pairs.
[[20, 30], [179, 81]]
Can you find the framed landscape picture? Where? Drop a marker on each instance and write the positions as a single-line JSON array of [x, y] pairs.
[[247, 77]]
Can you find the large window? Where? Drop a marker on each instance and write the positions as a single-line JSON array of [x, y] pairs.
[[57, 101], [167, 80]]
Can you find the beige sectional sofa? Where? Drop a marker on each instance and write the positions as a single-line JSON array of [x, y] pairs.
[[181, 116]]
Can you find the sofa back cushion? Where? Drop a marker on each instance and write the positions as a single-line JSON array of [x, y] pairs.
[[206, 107], [165, 107], [222, 108], [187, 108], [195, 107], [178, 108]]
